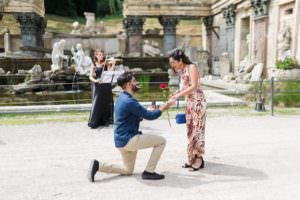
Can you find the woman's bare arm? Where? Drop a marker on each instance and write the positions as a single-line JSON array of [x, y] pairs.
[[194, 76], [91, 77]]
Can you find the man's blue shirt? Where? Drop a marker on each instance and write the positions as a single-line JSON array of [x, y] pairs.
[[128, 114]]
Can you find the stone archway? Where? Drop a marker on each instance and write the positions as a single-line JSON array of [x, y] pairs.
[[168, 13]]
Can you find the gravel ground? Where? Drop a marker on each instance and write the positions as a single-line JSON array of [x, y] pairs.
[[246, 158]]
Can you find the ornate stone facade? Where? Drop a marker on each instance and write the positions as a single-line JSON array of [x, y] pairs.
[[229, 15], [30, 15], [32, 29], [245, 30], [28, 6], [169, 24], [260, 7], [133, 26]]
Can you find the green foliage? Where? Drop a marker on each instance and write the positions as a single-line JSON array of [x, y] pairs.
[[102, 8], [62, 8], [286, 93], [291, 95], [115, 6], [144, 81], [74, 8], [287, 63]]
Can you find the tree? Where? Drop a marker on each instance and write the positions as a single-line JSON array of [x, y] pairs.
[[74, 8], [62, 8], [115, 6]]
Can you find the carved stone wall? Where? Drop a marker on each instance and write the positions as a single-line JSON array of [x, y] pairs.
[[32, 29], [15, 6]]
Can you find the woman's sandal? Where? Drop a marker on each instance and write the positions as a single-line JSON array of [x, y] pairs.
[[200, 167], [186, 165]]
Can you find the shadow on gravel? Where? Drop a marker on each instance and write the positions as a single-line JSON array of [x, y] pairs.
[[217, 172]]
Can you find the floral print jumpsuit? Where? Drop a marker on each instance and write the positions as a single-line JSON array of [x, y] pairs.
[[195, 118]]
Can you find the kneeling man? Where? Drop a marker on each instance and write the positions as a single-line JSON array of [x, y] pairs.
[[128, 139]]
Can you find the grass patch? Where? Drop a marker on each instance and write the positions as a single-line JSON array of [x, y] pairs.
[[35, 118], [287, 93], [76, 116]]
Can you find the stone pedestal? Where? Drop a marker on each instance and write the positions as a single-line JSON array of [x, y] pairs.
[[134, 28], [169, 25], [32, 29], [7, 48], [90, 19], [208, 22]]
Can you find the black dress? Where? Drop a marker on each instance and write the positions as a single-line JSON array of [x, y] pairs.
[[102, 106]]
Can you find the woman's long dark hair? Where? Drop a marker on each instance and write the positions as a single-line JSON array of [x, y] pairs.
[[179, 54]]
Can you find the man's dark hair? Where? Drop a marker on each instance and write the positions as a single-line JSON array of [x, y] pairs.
[[124, 78]]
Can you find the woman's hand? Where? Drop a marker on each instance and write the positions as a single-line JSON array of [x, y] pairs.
[[171, 102], [98, 81], [174, 97]]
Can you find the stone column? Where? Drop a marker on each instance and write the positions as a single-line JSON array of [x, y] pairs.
[[229, 15], [260, 32], [134, 29], [296, 41], [208, 22], [169, 25], [7, 48], [32, 29]]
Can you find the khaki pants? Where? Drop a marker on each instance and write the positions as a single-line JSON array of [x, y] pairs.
[[129, 153]]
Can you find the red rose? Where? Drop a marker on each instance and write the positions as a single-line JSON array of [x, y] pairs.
[[163, 86]]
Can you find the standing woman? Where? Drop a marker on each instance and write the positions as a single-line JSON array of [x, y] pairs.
[[195, 108], [102, 107]]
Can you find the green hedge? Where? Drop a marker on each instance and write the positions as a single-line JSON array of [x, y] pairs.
[[287, 93], [287, 63]]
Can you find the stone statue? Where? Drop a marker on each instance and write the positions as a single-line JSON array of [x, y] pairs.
[[257, 71], [284, 42], [58, 55], [35, 73], [101, 28], [90, 19], [151, 49], [246, 61], [76, 28], [82, 61]]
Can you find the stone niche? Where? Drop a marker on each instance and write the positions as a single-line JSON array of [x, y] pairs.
[[245, 38]]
